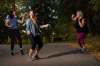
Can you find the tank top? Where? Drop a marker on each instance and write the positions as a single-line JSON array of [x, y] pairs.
[[79, 29]]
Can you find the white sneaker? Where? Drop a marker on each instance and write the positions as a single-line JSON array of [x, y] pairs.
[[29, 59], [82, 50], [34, 54]]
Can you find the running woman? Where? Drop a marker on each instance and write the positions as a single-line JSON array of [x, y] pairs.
[[80, 25]]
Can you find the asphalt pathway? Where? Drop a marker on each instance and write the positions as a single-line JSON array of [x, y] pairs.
[[51, 55]]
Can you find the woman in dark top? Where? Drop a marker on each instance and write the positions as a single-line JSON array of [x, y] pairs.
[[11, 22], [81, 29]]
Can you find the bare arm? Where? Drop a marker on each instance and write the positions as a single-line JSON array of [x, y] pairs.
[[82, 23], [7, 23], [44, 26], [21, 21]]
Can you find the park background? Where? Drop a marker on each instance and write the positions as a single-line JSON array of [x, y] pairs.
[[58, 14]]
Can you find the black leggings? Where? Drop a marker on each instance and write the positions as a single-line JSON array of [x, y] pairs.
[[36, 42], [15, 36]]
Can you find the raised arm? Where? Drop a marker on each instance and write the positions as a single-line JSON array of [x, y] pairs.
[[73, 17], [21, 20]]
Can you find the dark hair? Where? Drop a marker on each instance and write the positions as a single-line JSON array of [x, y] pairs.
[[11, 14]]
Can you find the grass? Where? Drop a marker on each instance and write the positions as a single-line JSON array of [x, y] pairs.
[[92, 44]]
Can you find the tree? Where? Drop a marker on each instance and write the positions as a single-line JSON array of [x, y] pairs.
[[95, 4], [96, 7]]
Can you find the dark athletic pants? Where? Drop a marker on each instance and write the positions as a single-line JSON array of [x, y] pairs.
[[15, 36], [81, 38], [36, 41]]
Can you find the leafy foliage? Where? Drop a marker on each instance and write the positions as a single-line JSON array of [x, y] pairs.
[[55, 12]]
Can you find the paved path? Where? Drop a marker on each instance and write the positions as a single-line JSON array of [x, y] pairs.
[[51, 54]]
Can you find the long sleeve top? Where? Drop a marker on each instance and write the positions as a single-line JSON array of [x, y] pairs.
[[32, 28]]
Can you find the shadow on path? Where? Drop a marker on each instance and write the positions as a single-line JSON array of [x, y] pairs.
[[65, 53]]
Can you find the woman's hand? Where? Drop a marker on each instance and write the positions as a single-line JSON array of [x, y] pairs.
[[28, 33], [73, 17]]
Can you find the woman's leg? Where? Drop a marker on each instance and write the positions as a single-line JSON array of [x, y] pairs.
[[40, 45], [19, 39], [81, 41], [12, 37], [33, 46], [31, 52]]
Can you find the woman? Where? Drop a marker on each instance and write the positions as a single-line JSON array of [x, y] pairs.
[[11, 23], [80, 25], [33, 32]]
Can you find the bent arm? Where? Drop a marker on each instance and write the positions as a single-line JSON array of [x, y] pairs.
[[28, 27], [7, 23], [21, 21], [82, 23]]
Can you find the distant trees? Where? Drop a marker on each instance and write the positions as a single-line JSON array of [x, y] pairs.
[[96, 18], [55, 12]]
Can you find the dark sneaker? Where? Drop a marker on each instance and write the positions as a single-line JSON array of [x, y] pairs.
[[21, 50], [22, 53], [37, 57], [83, 50], [12, 53]]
